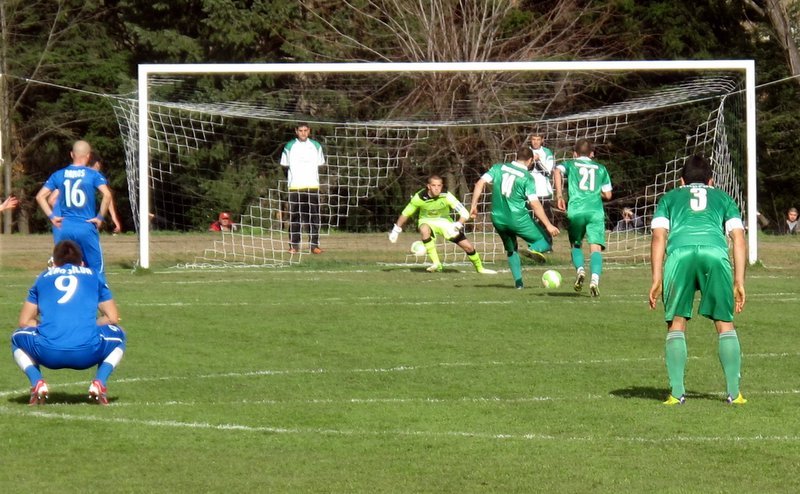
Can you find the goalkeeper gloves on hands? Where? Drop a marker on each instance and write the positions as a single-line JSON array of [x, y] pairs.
[[396, 230], [455, 228]]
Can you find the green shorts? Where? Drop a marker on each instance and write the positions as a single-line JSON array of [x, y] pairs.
[[524, 228], [698, 267], [591, 225]]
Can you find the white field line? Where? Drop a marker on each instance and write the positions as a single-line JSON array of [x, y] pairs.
[[20, 411], [394, 369]]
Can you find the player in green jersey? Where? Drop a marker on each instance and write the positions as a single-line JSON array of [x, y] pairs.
[[689, 227], [513, 190], [435, 206], [588, 185]]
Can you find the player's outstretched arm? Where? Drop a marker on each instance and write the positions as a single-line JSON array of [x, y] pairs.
[[477, 192], [397, 228], [657, 248], [538, 211]]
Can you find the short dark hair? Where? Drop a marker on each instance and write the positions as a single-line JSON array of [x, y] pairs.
[[524, 154], [697, 170], [67, 252], [301, 124], [584, 147]]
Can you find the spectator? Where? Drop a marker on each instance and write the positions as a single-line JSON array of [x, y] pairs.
[[629, 222], [223, 223], [790, 227], [10, 203], [303, 158], [69, 334]]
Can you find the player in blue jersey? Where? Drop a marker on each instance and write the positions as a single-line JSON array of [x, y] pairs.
[[77, 217], [69, 335], [689, 252]]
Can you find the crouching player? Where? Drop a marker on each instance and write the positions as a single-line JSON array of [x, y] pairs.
[[434, 205], [69, 335]]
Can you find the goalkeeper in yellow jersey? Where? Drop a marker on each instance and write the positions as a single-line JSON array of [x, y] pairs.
[[435, 205]]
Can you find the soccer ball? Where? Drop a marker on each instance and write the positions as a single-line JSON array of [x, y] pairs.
[[551, 279], [418, 248]]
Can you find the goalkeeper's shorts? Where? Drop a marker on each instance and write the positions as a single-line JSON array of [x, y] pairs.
[[441, 227]]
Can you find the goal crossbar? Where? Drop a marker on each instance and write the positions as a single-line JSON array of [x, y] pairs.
[[146, 70]]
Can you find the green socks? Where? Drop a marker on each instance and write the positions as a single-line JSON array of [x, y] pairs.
[[596, 263], [516, 266], [730, 356], [577, 257], [676, 356]]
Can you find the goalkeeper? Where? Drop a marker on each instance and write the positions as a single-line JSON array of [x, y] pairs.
[[434, 205]]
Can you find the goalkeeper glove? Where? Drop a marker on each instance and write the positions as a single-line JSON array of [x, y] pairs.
[[455, 228], [396, 230]]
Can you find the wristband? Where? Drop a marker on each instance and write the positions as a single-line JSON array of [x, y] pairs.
[[51, 216], [100, 217]]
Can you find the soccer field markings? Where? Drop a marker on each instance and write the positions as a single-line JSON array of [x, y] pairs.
[[397, 432], [401, 368]]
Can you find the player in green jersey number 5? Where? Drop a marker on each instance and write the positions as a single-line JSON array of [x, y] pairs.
[[435, 206], [513, 189], [588, 185], [689, 226]]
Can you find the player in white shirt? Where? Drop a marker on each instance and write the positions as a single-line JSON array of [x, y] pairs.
[[303, 157]]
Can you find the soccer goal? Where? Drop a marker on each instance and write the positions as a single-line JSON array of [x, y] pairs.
[[207, 139]]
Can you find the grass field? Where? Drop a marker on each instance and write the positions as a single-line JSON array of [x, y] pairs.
[[346, 376]]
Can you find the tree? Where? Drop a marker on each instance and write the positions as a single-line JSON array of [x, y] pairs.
[[47, 46]]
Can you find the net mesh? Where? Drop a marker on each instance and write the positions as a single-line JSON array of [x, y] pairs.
[[212, 156]]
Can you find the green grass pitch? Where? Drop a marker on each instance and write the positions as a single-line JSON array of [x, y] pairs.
[[346, 376]]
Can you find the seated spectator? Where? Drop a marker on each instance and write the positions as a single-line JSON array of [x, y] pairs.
[[629, 221], [223, 224], [790, 227]]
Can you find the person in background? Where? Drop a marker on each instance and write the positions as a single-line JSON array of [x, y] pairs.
[[69, 334], [97, 163], [435, 205], [223, 223], [689, 252], [629, 222], [790, 226], [303, 158], [9, 203]]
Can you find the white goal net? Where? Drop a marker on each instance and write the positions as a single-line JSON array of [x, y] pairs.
[[215, 134]]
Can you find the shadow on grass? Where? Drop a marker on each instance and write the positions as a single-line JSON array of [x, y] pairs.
[[659, 394], [59, 399]]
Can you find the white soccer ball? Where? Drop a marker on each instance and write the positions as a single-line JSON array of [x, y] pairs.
[[418, 248], [551, 279]]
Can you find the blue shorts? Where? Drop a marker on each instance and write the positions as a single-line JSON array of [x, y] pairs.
[[85, 234], [29, 341]]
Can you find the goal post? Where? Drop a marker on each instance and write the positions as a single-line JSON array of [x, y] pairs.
[[146, 71]]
